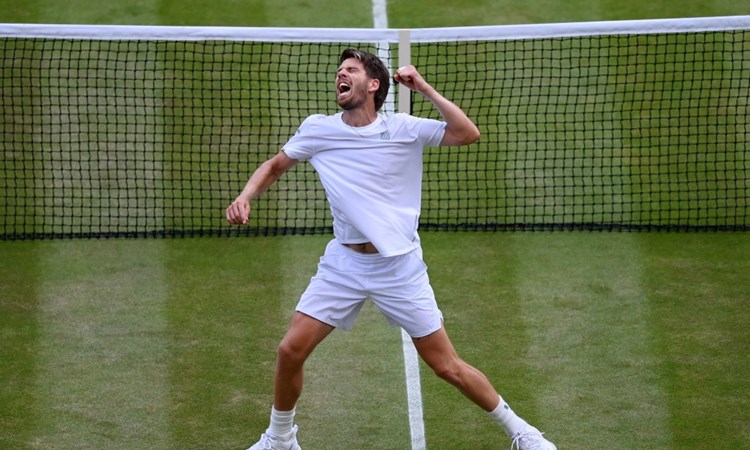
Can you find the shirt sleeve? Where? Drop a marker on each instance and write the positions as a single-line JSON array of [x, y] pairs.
[[303, 145], [429, 132]]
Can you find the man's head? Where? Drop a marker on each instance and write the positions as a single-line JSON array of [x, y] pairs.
[[374, 69]]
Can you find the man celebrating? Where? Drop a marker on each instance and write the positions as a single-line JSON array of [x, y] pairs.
[[371, 169]]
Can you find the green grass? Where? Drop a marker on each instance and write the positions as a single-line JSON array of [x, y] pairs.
[[604, 340], [606, 325], [442, 13], [617, 340], [288, 13], [339, 13]]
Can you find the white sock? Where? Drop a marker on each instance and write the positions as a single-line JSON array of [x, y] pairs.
[[281, 422], [507, 419]]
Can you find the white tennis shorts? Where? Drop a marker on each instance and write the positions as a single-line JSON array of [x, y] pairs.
[[398, 286]]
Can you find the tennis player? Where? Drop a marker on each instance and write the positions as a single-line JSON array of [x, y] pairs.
[[371, 168]]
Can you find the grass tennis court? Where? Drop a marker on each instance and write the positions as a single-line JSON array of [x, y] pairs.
[[608, 340], [605, 340]]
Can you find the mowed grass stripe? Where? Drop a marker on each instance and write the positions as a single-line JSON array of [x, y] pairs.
[[473, 278], [89, 151], [19, 331], [355, 393], [101, 378], [131, 12], [701, 298], [591, 352], [224, 323]]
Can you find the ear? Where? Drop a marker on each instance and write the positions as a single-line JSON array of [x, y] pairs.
[[373, 85]]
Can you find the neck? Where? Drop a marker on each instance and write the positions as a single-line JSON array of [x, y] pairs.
[[359, 117]]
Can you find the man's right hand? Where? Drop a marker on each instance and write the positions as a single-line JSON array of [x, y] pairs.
[[238, 212]]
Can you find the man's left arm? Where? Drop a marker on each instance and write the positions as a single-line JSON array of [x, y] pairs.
[[459, 130]]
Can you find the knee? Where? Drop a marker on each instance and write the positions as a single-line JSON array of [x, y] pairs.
[[289, 353], [449, 371]]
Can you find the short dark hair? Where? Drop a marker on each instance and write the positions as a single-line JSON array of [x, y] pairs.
[[374, 68]]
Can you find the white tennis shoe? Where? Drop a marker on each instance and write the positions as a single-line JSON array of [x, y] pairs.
[[269, 442], [531, 439]]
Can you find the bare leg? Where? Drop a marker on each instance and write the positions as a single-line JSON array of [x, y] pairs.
[[438, 352], [304, 334]]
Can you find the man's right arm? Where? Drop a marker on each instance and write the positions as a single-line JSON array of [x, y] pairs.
[[263, 177], [459, 130]]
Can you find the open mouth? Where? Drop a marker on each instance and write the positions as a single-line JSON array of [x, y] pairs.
[[343, 89]]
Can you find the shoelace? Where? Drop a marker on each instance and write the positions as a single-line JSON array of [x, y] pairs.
[[528, 439], [266, 442]]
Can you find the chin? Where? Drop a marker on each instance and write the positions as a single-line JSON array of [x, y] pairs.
[[350, 104]]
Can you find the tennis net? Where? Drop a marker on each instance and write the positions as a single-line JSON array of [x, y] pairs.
[[112, 131]]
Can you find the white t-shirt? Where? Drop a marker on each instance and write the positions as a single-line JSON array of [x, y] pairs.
[[372, 175]]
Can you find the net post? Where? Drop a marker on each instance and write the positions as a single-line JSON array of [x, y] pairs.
[[404, 59]]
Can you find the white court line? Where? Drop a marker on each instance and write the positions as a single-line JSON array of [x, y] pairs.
[[411, 359], [414, 393], [380, 13]]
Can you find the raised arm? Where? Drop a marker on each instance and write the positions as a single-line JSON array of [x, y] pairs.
[[263, 177], [460, 130]]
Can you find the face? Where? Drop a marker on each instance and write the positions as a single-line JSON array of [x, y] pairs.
[[352, 84]]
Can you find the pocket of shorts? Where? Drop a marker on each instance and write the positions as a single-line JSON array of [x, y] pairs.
[[335, 257]]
